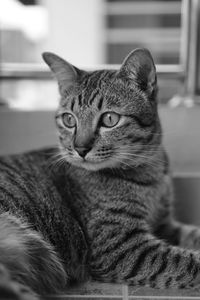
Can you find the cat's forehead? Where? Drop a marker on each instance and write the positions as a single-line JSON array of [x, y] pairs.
[[101, 90], [90, 90], [97, 80], [112, 88]]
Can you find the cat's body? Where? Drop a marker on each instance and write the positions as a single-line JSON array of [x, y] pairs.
[[106, 211]]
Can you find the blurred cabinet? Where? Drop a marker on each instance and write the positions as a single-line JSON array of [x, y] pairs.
[[155, 25]]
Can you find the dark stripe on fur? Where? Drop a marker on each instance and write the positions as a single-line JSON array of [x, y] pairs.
[[123, 212], [163, 266], [7, 166], [191, 265], [100, 103], [72, 104], [139, 262], [140, 204], [177, 259], [168, 282], [79, 100], [117, 258], [117, 243], [93, 97], [18, 183]]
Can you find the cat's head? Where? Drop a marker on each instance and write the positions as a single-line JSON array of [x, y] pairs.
[[107, 118]]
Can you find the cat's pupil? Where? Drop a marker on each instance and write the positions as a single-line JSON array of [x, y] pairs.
[[110, 119]]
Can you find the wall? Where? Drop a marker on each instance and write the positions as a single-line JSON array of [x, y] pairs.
[[76, 30]]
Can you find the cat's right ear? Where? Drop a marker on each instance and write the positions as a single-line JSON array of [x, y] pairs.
[[65, 73]]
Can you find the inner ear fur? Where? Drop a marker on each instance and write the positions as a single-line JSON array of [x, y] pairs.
[[139, 67]]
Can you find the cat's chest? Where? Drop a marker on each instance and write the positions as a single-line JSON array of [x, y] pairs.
[[96, 196]]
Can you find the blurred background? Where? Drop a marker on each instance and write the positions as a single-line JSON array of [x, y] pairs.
[[88, 33], [99, 34]]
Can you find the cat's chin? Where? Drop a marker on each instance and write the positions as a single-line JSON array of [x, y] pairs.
[[94, 166]]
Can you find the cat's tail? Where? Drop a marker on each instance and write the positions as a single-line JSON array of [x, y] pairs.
[[28, 258]]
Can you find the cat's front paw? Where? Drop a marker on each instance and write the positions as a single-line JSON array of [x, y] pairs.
[[13, 290], [190, 237]]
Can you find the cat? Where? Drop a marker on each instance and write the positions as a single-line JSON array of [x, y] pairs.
[[104, 209]]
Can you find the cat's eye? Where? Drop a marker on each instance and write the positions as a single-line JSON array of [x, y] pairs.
[[110, 119], [69, 120]]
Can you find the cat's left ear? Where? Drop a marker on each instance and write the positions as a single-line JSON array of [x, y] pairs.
[[139, 67], [66, 74]]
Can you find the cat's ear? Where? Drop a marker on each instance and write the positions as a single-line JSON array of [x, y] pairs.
[[65, 73], [139, 66]]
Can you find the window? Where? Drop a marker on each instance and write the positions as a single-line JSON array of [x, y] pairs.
[[92, 38]]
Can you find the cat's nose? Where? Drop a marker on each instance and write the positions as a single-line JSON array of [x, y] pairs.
[[82, 151]]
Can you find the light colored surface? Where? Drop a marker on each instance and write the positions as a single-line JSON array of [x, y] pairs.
[[26, 130], [98, 291], [181, 128]]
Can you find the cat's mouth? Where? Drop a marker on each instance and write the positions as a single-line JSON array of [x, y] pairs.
[[93, 165]]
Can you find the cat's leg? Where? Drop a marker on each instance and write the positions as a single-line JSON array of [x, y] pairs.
[[130, 253], [176, 233], [29, 259]]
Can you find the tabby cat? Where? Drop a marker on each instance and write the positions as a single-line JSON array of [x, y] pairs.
[[104, 209]]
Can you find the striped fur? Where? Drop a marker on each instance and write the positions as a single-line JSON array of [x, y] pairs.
[[108, 214]]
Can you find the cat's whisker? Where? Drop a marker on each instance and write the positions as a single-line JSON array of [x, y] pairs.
[[124, 157], [133, 149], [126, 152], [145, 157], [138, 147], [152, 151], [57, 161], [122, 162]]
